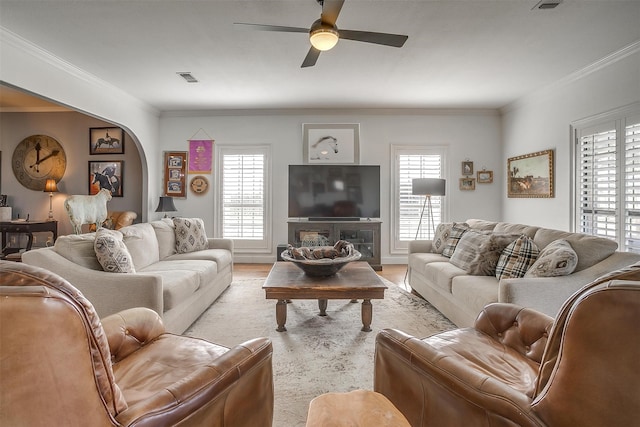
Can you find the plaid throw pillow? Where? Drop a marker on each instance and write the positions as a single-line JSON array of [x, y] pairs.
[[517, 258], [454, 238], [468, 248], [443, 231]]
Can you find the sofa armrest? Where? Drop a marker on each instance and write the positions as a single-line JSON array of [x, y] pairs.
[[420, 246], [523, 329], [108, 292], [236, 387], [219, 243], [129, 330]]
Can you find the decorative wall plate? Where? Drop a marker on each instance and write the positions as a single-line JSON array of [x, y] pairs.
[[199, 184], [36, 159]]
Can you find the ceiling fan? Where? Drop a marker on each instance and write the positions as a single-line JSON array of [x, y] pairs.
[[324, 34]]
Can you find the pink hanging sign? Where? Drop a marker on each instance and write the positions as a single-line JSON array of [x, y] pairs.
[[200, 155]]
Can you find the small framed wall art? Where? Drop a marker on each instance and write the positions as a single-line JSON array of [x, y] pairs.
[[531, 175], [175, 176], [107, 140], [107, 174], [467, 184], [467, 168], [331, 143], [485, 177]]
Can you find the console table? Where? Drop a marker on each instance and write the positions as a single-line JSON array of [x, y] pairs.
[[27, 227]]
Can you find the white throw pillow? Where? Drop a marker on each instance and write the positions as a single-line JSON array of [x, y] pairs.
[[190, 235], [111, 252], [557, 259]]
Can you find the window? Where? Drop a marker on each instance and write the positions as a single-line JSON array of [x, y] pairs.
[[607, 177], [409, 162], [243, 200]]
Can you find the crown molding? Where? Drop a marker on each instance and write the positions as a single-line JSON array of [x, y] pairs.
[[9, 38], [600, 64]]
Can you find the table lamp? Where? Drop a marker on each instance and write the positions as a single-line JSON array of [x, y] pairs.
[[50, 186], [166, 205]]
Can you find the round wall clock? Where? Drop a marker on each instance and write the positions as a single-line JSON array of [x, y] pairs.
[[199, 184], [36, 159]]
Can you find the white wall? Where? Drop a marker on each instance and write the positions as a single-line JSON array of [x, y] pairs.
[[473, 135], [542, 121], [71, 130]]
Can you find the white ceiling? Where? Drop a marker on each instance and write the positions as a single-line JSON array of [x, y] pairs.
[[460, 53]]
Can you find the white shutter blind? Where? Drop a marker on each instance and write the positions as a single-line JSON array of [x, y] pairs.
[[632, 186], [412, 166], [597, 180], [243, 196]]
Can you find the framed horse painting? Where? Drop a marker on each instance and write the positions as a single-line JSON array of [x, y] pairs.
[[331, 143], [109, 175], [106, 140]]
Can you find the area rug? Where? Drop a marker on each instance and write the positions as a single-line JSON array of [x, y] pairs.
[[316, 354]]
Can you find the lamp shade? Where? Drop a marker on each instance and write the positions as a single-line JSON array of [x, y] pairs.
[[50, 186], [166, 204], [428, 186]]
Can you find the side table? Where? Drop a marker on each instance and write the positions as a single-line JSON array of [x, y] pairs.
[[358, 408]]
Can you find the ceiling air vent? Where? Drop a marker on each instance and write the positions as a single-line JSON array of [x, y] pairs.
[[188, 77], [547, 4]]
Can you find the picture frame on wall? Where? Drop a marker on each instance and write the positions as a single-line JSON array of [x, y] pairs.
[[106, 174], [484, 177], [467, 184], [106, 140], [175, 176], [467, 168], [331, 143], [531, 175]]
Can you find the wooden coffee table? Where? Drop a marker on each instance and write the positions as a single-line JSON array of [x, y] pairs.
[[356, 280]]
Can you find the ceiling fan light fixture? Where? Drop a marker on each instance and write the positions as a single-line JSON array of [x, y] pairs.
[[323, 38]]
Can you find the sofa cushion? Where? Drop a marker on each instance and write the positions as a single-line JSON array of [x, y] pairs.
[[481, 224], [457, 231], [557, 259], [78, 248], [112, 253], [589, 249], [221, 256], [517, 258], [190, 235], [418, 261], [166, 235], [177, 284], [142, 243], [442, 273], [505, 227]]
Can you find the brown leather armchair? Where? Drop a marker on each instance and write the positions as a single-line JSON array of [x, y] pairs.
[[518, 367], [61, 365], [116, 220]]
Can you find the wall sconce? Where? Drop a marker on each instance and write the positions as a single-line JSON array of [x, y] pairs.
[[166, 205], [50, 186]]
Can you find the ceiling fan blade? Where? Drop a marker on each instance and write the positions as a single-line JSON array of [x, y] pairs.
[[264, 27], [395, 40], [311, 58], [330, 11]]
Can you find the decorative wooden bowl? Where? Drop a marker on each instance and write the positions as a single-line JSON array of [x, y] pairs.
[[321, 267]]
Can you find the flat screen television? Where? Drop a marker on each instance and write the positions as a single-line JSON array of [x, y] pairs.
[[322, 192]]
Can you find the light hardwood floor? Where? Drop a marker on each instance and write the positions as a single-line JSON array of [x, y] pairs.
[[394, 273]]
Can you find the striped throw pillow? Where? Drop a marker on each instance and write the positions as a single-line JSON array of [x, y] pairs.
[[517, 258]]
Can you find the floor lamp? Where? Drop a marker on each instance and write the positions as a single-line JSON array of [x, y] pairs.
[[427, 187]]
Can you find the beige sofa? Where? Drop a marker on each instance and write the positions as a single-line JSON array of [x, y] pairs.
[[461, 296], [178, 286]]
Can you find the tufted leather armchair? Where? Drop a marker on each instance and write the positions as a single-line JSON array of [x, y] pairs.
[[61, 365], [518, 367], [116, 220]]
